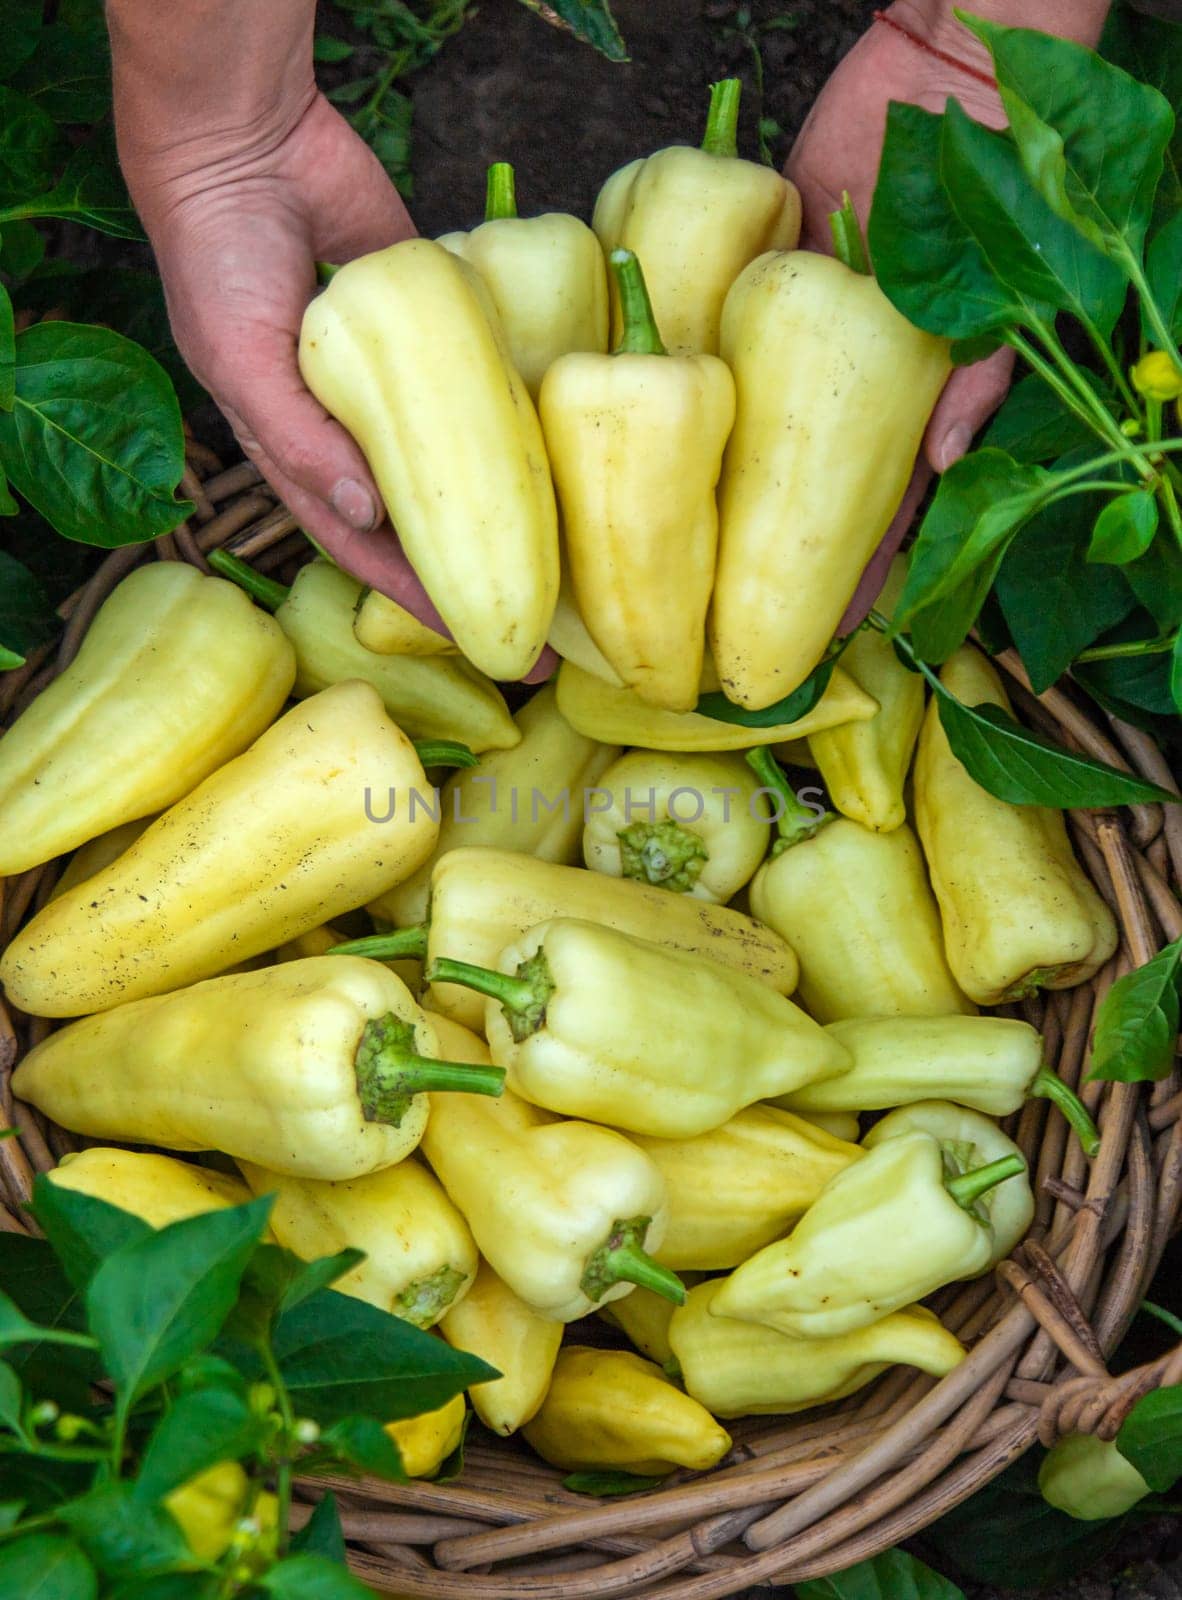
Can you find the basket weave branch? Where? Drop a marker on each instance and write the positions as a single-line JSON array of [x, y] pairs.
[[804, 1496]]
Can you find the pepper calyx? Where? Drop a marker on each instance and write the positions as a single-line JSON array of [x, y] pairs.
[[665, 854], [622, 1258], [390, 1072]]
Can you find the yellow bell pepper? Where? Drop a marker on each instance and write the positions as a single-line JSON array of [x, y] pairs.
[[843, 1125], [514, 801], [991, 1064], [176, 675], [545, 275], [620, 716], [1019, 912], [405, 349], [591, 1022], [483, 900], [209, 1508], [694, 824], [425, 1442], [429, 697], [635, 441], [498, 1326], [976, 1140], [856, 907], [564, 1212], [741, 1369], [569, 637], [420, 1257], [835, 388], [316, 818], [315, 1068], [644, 1317], [154, 1187], [1089, 1479], [696, 218], [885, 1232], [864, 764], [388, 629], [738, 1187], [612, 1409]]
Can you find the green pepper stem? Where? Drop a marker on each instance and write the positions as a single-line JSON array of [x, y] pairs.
[[794, 821], [500, 197], [722, 121], [622, 1258], [522, 995], [445, 753], [390, 1071], [326, 271], [640, 336], [1047, 1085], [266, 591], [848, 244], [387, 946], [968, 1187]]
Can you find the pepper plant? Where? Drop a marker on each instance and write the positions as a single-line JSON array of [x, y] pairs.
[[209, 1348]]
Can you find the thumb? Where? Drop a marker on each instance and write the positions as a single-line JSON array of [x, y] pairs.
[[969, 399]]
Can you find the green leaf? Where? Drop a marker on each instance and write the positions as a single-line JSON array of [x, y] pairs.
[[16, 1328], [1151, 1437], [67, 76], [982, 501], [1021, 767], [1090, 136], [1137, 1025], [926, 262], [10, 1514], [33, 1276], [1125, 528], [170, 1586], [82, 1229], [363, 1443], [89, 191], [589, 20], [1136, 688], [18, 37], [197, 1431], [312, 1577], [7, 352], [1163, 268], [1053, 602], [95, 441], [1043, 259], [326, 48], [894, 1575], [605, 1484], [158, 1300], [29, 148], [1176, 672], [46, 1566], [1156, 579], [790, 709], [1033, 425], [275, 1280], [321, 1535], [10, 1398], [124, 1536], [21, 249], [1150, 49], [342, 1357], [26, 615]]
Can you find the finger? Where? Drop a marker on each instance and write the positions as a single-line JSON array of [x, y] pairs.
[[969, 399], [874, 575]]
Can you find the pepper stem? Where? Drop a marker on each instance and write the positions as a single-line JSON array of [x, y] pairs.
[[326, 271], [387, 946], [523, 995], [390, 1071], [848, 244], [445, 753], [794, 821], [622, 1258], [722, 121], [662, 853], [640, 336], [1047, 1085], [266, 591], [500, 197], [967, 1188]]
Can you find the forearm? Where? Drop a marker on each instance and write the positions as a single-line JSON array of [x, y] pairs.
[[1082, 20], [208, 79]]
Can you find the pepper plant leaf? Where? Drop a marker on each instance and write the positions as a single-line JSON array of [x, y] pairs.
[[68, 75], [1156, 579], [10, 1401], [46, 1566], [790, 709], [893, 1575], [605, 1484], [1163, 268], [1151, 1438], [1033, 424], [94, 441], [1125, 528], [82, 1229], [19, 37], [26, 616], [927, 263], [124, 1536], [321, 1535], [1136, 1032], [1090, 136], [1041, 257], [364, 1445], [30, 146], [589, 20], [7, 352], [1150, 50], [196, 1432], [89, 191], [312, 1577]]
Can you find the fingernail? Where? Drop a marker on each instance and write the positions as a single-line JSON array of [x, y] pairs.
[[353, 501], [955, 443]]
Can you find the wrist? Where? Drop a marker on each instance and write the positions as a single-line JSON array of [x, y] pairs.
[[1081, 20]]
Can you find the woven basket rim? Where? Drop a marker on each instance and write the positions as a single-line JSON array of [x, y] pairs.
[[803, 1496]]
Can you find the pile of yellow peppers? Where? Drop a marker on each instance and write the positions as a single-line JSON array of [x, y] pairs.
[[521, 1031]]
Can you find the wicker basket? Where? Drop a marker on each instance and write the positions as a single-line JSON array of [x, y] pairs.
[[797, 1497]]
